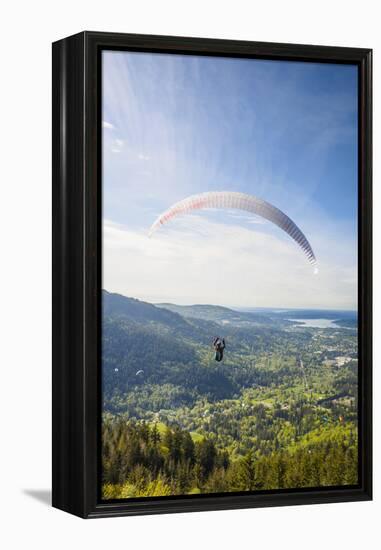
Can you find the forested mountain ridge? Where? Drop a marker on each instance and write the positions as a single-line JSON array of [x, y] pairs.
[[168, 350], [116, 305], [220, 314]]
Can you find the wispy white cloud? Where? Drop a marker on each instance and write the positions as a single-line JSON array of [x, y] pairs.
[[196, 260], [116, 145], [107, 125], [244, 218]]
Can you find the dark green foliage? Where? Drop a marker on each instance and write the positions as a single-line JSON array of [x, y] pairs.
[[132, 454], [133, 462]]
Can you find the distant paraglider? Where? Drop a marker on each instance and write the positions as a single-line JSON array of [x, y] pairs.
[[139, 372], [240, 201]]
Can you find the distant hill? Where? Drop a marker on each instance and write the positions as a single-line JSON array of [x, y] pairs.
[[161, 320], [117, 305], [219, 314]]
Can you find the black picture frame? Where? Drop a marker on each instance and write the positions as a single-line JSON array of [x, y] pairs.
[[77, 268]]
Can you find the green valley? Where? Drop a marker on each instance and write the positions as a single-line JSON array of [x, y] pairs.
[[280, 410]]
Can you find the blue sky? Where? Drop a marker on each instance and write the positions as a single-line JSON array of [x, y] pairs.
[[283, 131]]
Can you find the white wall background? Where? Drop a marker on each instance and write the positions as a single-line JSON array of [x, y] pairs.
[[27, 29]]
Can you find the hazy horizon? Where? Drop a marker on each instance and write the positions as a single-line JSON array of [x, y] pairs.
[[233, 307]]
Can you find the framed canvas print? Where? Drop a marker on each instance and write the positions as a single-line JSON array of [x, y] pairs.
[[211, 274]]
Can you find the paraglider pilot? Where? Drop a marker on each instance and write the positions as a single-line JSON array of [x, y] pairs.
[[219, 346]]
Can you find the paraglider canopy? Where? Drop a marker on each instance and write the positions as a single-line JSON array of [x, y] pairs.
[[240, 201], [139, 372]]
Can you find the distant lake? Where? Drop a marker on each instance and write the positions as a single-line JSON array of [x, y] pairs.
[[316, 323]]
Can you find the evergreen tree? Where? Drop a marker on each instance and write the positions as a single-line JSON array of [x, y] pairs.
[[188, 448], [155, 435]]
